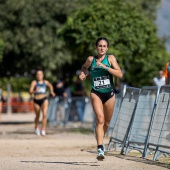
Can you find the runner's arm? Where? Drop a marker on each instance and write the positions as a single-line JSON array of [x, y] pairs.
[[32, 86], [115, 70], [85, 68], [49, 85]]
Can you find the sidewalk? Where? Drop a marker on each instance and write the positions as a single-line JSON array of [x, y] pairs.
[[22, 118], [17, 117], [61, 149]]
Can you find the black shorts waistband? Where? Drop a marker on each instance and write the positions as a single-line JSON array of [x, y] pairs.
[[103, 96], [40, 101]]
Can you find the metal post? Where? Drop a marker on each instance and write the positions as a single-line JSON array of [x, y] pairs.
[[9, 108]]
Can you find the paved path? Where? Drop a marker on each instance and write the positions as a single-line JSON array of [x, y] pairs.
[[62, 149]]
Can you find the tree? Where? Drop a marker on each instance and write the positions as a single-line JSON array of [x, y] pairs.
[[29, 32], [1, 47], [132, 37], [149, 8]]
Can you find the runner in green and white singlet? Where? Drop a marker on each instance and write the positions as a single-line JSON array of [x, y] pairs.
[[102, 68], [102, 80]]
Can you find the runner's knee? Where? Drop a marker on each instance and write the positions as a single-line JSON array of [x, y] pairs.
[[44, 116], [106, 124], [37, 116], [100, 120]]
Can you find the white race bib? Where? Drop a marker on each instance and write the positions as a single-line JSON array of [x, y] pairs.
[[41, 89], [102, 82]]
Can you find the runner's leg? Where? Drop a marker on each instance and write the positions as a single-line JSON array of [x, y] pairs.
[[108, 112], [98, 110], [44, 112], [37, 114]]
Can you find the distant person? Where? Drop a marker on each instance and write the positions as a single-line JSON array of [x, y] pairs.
[[68, 102], [67, 87], [39, 88], [167, 73], [59, 91], [79, 93], [160, 79]]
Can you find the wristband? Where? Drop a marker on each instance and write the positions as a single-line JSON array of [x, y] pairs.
[[106, 68]]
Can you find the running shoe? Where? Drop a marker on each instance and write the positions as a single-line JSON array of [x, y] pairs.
[[37, 131], [100, 154], [43, 133]]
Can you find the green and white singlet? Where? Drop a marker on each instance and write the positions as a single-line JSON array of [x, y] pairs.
[[101, 79]]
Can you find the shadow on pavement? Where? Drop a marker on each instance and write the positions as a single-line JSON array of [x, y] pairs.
[[68, 163], [14, 123]]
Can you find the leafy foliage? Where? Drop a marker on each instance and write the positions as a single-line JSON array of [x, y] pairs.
[[29, 32], [17, 84], [149, 8], [132, 36], [31, 29], [1, 48]]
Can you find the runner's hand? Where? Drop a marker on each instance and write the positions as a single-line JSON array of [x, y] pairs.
[[53, 94], [82, 76], [98, 63]]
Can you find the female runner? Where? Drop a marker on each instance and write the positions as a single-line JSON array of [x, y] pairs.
[[38, 88], [102, 68]]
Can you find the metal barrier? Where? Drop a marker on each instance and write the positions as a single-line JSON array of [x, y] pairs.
[[115, 113], [159, 137], [141, 123], [52, 111], [88, 115], [62, 110], [118, 101], [125, 115]]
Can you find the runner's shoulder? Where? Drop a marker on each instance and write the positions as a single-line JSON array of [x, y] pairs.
[[34, 82], [112, 57], [46, 82], [90, 59]]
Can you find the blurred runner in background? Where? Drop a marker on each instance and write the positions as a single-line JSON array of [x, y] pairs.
[[39, 88]]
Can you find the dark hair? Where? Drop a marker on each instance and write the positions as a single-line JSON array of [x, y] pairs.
[[39, 69], [102, 38]]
